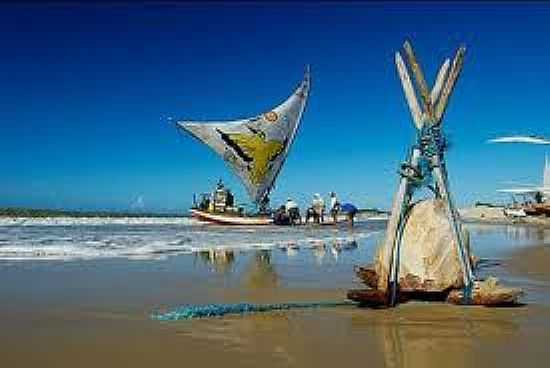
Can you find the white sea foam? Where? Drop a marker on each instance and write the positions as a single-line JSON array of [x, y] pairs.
[[78, 239], [94, 221]]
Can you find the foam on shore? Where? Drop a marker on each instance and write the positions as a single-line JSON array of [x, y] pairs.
[[156, 238], [92, 221]]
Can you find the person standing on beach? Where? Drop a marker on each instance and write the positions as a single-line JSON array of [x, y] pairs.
[[334, 207], [292, 211], [318, 206], [350, 210]]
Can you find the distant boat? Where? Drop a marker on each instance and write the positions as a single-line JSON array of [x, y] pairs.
[[255, 149], [539, 202]]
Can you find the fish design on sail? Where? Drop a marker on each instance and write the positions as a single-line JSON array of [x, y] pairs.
[[255, 148]]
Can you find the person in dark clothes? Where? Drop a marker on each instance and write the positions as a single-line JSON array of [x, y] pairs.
[[350, 210]]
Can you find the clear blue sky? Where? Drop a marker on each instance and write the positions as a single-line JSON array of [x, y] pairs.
[[86, 92]]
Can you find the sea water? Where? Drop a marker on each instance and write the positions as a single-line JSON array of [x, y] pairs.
[[157, 238]]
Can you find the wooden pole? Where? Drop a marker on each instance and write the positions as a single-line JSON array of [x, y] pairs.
[[441, 76], [420, 80], [440, 176], [396, 226], [456, 68], [392, 231], [409, 91]]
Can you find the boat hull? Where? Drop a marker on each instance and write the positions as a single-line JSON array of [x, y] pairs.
[[222, 219]]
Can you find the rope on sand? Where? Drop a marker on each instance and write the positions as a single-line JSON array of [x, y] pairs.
[[190, 311]]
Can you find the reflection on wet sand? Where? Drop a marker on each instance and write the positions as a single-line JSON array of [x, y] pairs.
[[261, 270], [435, 335], [531, 233], [511, 232], [219, 260], [533, 262], [319, 248], [261, 273], [319, 252], [411, 336]]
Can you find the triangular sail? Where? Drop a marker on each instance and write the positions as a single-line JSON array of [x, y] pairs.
[[255, 148]]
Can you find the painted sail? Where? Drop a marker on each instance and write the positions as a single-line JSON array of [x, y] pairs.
[[255, 148]]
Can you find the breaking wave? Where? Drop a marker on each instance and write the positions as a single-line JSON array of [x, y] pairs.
[[84, 239], [95, 221]]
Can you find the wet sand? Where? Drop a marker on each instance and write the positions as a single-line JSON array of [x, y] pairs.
[[532, 262], [97, 313]]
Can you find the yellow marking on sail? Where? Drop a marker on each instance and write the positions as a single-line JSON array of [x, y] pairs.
[[261, 152]]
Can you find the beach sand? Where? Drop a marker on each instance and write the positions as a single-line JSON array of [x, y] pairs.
[[96, 313]]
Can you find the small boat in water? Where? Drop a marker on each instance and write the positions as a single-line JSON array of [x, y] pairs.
[[255, 149], [230, 219], [219, 207]]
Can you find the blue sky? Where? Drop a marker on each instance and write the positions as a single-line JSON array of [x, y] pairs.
[[87, 90]]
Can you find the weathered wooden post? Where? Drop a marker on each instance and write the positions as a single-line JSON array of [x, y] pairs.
[[425, 166]]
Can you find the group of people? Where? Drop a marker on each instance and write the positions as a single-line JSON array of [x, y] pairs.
[[289, 213]]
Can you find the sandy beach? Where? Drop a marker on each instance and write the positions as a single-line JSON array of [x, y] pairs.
[[96, 312]]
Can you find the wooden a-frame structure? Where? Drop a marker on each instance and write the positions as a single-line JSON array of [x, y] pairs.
[[425, 166]]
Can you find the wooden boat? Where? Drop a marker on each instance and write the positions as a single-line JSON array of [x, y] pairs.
[[230, 219], [537, 209], [255, 149]]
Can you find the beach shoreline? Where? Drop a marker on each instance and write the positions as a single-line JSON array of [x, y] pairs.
[[496, 216], [98, 312]]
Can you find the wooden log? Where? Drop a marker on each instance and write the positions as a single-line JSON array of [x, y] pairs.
[[368, 275], [441, 77], [440, 177], [377, 298], [449, 84], [369, 297], [392, 242], [488, 293], [420, 80], [408, 88]]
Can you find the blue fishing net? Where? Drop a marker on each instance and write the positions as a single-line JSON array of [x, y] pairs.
[[190, 311]]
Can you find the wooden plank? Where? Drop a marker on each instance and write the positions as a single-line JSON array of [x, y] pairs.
[[488, 293], [498, 297], [378, 299], [368, 275], [441, 76], [394, 228], [369, 297], [440, 177], [408, 88], [449, 84], [420, 80]]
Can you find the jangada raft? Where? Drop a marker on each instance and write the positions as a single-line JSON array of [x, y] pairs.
[[255, 149]]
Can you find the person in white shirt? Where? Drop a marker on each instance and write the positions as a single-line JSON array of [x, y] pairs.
[[334, 207], [292, 211], [290, 204], [318, 206]]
